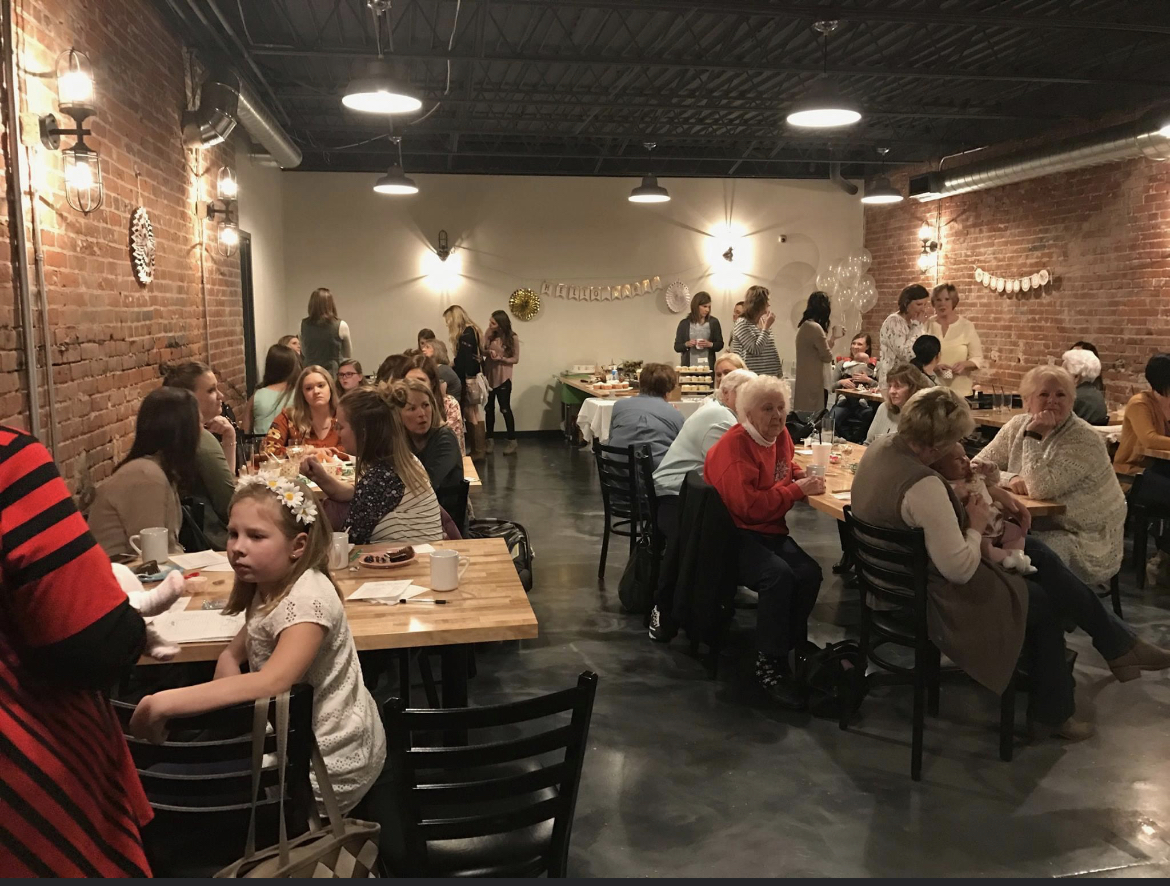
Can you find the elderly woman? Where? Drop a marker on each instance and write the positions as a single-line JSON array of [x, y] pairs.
[[648, 419], [1049, 453], [751, 468], [962, 351], [1085, 368], [900, 329], [902, 383], [978, 615]]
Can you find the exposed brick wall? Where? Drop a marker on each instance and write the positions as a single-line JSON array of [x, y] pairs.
[[1103, 233], [108, 333]]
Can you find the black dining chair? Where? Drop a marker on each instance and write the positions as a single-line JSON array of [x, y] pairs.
[[1141, 518], [891, 568], [199, 784], [499, 807], [453, 500], [618, 474]]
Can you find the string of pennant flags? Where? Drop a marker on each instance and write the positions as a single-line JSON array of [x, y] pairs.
[[613, 292]]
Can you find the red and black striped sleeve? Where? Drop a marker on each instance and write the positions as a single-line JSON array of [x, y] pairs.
[[62, 607]]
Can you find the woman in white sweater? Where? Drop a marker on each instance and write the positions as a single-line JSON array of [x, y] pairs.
[[1051, 454]]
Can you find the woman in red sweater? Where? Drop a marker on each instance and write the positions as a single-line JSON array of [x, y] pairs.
[[751, 468]]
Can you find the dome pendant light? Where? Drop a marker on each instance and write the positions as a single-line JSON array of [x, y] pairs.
[[824, 107], [395, 181], [376, 90], [881, 192], [649, 191]]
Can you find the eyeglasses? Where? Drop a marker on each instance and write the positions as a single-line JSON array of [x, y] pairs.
[[348, 374]]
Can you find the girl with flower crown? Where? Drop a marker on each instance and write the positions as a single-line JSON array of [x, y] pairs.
[[295, 632]]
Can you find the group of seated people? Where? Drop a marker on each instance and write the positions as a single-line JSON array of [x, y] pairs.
[[983, 609], [403, 431]]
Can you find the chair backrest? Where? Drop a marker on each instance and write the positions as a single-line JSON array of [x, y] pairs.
[[453, 500], [617, 472], [494, 787], [647, 497], [891, 564], [199, 783]]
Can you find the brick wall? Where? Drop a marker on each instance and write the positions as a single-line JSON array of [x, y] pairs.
[[1104, 235], [108, 334]]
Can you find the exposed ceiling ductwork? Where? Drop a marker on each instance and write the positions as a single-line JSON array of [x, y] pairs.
[[1148, 137], [226, 100]]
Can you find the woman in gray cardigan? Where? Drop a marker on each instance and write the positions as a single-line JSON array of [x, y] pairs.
[[698, 337]]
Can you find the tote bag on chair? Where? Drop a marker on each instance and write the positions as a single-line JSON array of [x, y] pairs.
[[345, 848]]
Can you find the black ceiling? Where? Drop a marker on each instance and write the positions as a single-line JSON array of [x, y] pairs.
[[574, 87]]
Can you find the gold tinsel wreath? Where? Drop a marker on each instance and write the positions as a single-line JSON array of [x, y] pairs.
[[524, 304]]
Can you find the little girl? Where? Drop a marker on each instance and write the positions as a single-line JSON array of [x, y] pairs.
[[295, 632]]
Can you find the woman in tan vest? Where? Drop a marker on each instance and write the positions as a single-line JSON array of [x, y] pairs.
[[979, 615]]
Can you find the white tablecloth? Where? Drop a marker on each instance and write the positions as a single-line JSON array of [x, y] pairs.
[[597, 414]]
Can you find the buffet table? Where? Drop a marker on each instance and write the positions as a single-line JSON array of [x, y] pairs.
[[596, 415]]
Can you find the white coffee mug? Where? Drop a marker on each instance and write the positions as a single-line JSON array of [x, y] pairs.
[[152, 544], [339, 551], [447, 567]]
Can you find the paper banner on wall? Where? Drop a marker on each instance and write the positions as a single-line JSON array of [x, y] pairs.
[[575, 292]]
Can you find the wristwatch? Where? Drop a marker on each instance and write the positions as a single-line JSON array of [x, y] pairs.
[[1033, 434]]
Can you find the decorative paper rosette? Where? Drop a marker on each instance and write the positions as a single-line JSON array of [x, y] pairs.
[[678, 296], [524, 304], [142, 246]]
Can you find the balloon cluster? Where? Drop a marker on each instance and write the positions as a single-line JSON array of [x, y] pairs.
[[851, 290]]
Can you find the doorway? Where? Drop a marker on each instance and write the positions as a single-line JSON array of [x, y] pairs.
[[251, 377]]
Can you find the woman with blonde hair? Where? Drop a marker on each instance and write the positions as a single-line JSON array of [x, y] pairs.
[[325, 339], [310, 419], [467, 347], [751, 337], [392, 498], [423, 369], [902, 383], [961, 351]]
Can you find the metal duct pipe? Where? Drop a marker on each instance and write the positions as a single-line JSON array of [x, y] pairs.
[[835, 177], [225, 100], [1149, 137]]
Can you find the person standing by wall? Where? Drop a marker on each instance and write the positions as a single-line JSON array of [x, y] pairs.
[[751, 338], [699, 337], [325, 339], [502, 352], [900, 329], [962, 351]]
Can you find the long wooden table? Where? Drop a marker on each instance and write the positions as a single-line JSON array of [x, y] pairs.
[[839, 483], [469, 471], [859, 394], [592, 390], [490, 604]]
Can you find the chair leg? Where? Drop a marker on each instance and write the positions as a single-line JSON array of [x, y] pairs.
[[1141, 528], [1007, 722], [604, 548], [404, 676], [428, 678], [1115, 594], [919, 718], [932, 693]]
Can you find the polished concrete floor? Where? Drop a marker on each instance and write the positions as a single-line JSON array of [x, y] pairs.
[[687, 776]]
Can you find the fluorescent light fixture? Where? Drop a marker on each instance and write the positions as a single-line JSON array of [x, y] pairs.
[[377, 91], [649, 191], [881, 192]]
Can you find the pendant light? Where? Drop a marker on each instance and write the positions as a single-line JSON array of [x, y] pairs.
[[880, 192], [376, 90], [649, 191], [823, 107], [395, 181]]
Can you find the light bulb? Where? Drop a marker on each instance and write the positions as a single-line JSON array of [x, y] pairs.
[[226, 185], [79, 175], [75, 88], [926, 232], [925, 261]]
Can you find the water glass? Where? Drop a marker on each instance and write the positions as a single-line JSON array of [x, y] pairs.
[[996, 400]]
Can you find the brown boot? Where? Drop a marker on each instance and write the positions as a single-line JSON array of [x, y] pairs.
[[1071, 729], [478, 440], [1142, 657]]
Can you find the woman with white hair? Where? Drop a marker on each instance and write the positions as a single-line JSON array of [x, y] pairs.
[[1085, 368], [751, 468], [1049, 453]]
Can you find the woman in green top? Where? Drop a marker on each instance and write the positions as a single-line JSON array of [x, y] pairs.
[[325, 339], [282, 366], [215, 481]]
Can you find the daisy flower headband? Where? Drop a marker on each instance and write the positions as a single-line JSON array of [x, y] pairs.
[[303, 508]]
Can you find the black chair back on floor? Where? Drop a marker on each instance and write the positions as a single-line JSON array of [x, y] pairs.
[[618, 474], [892, 567], [199, 783], [493, 809]]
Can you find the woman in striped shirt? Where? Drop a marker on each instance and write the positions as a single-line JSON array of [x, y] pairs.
[[751, 337], [71, 804]]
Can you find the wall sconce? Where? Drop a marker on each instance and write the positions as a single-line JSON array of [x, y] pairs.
[[80, 163], [443, 250], [928, 258], [729, 255], [227, 192]]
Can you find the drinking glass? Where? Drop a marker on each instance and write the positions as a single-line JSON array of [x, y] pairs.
[[996, 399]]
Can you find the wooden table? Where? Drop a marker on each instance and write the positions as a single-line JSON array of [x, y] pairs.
[[872, 396], [1157, 453], [591, 390], [997, 418], [469, 471], [839, 480]]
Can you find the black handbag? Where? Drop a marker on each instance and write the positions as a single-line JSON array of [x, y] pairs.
[[834, 679], [636, 588]]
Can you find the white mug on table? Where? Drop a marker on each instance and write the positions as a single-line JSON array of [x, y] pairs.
[[339, 550], [447, 567], [152, 544]]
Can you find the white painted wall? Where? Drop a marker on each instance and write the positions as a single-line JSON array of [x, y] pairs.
[[262, 216], [375, 253]]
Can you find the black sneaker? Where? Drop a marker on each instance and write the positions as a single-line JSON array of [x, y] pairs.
[[659, 632], [786, 693]]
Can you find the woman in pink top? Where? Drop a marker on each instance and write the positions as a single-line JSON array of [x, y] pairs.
[[502, 349]]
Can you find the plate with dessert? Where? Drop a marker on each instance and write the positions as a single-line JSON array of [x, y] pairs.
[[392, 558]]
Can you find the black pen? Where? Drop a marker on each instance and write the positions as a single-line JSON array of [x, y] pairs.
[[416, 600]]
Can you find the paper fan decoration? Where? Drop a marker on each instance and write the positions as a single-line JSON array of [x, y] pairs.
[[678, 296], [142, 246], [524, 304]]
